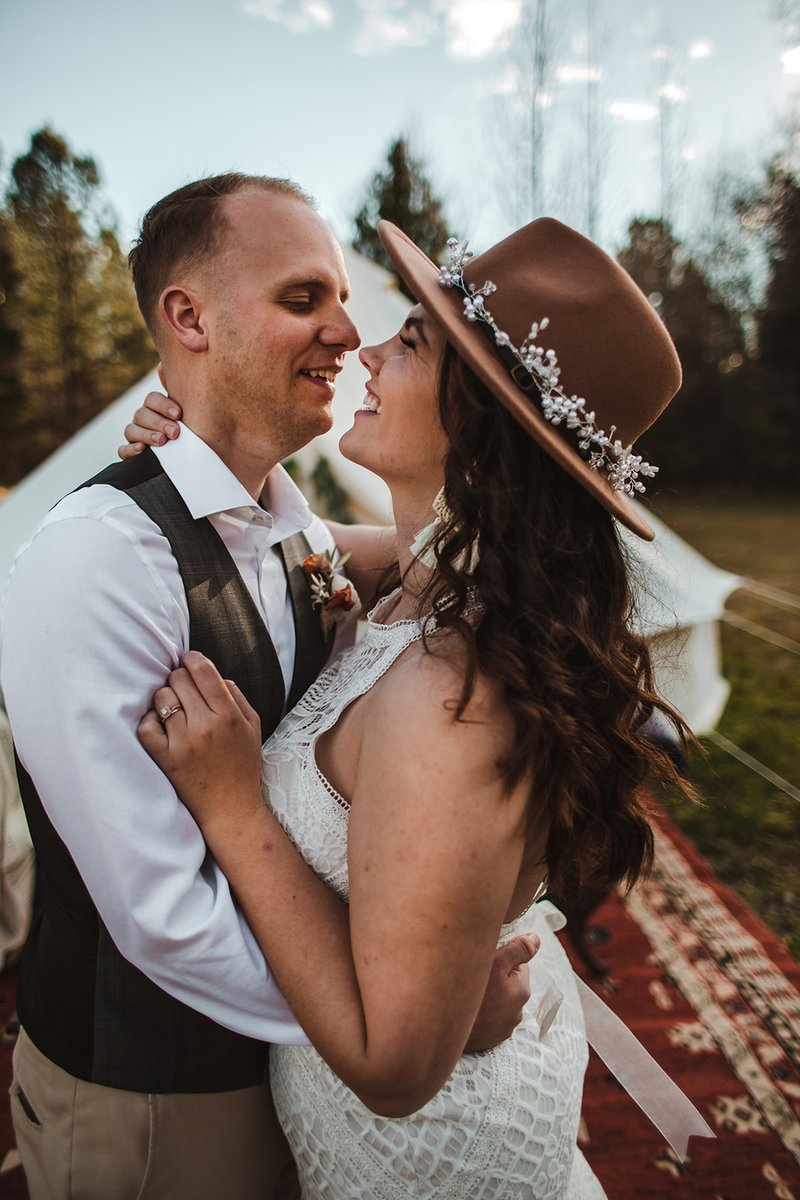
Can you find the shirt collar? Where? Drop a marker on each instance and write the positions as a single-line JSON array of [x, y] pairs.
[[208, 487]]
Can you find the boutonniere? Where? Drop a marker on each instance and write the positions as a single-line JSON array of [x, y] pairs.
[[331, 592]]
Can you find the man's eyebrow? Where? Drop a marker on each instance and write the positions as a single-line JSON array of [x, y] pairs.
[[311, 283], [418, 324]]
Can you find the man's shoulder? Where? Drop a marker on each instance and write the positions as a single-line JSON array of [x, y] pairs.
[[107, 491], [93, 501], [85, 522], [96, 546]]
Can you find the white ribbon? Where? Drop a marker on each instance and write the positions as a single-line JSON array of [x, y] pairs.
[[647, 1084], [659, 1098]]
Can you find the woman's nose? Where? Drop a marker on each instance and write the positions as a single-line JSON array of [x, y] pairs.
[[369, 357]]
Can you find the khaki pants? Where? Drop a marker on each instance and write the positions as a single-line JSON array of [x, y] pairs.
[[82, 1141]]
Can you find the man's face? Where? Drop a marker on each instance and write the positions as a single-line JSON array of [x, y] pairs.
[[277, 327]]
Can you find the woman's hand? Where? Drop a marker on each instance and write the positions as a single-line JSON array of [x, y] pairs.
[[209, 745], [153, 424]]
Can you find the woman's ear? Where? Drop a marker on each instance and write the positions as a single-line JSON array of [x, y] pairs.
[[181, 311]]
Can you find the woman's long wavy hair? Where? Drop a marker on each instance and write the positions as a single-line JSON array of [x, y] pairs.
[[555, 637]]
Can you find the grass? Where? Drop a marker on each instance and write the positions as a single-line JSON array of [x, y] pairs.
[[748, 829]]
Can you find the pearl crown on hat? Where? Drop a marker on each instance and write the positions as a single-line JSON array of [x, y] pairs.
[[542, 370]]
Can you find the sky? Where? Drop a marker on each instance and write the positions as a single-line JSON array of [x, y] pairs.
[[164, 91]]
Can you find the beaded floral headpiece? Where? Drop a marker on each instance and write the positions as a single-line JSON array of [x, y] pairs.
[[534, 368]]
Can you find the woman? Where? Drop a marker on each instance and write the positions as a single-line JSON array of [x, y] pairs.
[[480, 743]]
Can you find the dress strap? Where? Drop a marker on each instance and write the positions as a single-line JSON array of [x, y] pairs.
[[351, 675]]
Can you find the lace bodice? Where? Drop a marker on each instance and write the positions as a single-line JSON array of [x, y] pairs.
[[307, 805], [505, 1124]]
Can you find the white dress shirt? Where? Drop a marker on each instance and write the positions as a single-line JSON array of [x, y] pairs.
[[94, 619]]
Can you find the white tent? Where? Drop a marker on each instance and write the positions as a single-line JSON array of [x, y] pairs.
[[680, 599], [681, 594]]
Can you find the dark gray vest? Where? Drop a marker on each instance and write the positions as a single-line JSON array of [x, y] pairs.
[[86, 1007]]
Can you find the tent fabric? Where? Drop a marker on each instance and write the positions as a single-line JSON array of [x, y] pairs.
[[680, 594], [680, 597], [674, 584]]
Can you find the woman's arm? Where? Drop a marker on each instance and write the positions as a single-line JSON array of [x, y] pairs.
[[389, 995], [434, 852], [373, 552], [153, 424]]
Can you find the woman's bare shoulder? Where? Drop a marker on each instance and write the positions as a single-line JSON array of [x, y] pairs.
[[421, 693], [416, 745]]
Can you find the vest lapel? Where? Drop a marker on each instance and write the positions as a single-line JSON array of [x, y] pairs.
[[311, 650]]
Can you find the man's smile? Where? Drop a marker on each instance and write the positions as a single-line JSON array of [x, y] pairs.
[[323, 378], [328, 373]]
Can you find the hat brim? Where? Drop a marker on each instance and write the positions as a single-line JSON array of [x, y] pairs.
[[446, 307]]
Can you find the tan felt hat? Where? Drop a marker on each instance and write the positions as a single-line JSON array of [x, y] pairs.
[[612, 349]]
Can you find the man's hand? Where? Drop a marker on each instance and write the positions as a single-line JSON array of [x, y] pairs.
[[506, 994]]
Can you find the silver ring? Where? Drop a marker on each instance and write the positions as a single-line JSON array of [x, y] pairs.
[[168, 711]]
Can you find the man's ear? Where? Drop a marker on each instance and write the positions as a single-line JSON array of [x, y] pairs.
[[182, 313]]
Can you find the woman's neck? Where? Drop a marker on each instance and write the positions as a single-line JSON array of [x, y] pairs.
[[412, 512]]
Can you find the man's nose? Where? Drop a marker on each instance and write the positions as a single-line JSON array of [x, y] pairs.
[[341, 330]]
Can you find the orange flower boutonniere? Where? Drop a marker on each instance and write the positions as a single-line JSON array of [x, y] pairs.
[[331, 592]]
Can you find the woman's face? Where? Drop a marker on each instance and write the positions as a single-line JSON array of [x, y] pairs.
[[397, 434]]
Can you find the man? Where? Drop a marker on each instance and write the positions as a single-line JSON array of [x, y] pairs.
[[144, 1001]]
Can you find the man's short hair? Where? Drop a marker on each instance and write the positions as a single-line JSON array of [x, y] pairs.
[[184, 228]]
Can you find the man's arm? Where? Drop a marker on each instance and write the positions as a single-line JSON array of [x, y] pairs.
[[90, 630]]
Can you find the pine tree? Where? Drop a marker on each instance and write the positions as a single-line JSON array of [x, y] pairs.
[[333, 500], [779, 315], [11, 390], [401, 193], [123, 343], [775, 210], [702, 438], [83, 340]]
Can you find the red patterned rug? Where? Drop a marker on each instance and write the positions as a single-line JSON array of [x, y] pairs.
[[715, 997], [711, 993]]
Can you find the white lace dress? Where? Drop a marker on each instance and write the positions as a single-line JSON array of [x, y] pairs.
[[505, 1124]]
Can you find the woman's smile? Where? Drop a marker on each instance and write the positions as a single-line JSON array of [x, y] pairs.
[[371, 405]]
